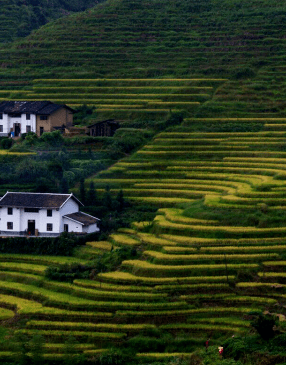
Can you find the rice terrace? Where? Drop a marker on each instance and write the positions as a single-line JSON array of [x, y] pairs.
[[190, 265]]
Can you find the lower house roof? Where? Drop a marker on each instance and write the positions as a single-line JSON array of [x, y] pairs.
[[82, 218]]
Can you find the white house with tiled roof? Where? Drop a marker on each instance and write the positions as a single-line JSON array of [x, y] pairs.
[[17, 117], [43, 214]]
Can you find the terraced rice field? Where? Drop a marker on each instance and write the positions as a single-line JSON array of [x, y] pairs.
[[125, 99], [197, 275]]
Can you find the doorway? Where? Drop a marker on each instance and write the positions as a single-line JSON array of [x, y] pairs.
[[17, 129], [31, 227]]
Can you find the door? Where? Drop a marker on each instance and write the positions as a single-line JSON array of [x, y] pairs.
[[17, 129], [31, 227]]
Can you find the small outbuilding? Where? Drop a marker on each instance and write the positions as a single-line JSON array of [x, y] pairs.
[[43, 214], [105, 128]]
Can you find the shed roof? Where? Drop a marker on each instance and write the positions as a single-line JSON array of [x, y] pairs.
[[82, 218], [108, 121], [35, 200]]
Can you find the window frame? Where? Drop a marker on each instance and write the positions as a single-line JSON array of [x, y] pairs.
[[49, 212], [10, 211], [31, 210], [49, 227], [9, 225]]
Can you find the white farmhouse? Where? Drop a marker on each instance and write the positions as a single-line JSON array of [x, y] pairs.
[[18, 117], [43, 214]]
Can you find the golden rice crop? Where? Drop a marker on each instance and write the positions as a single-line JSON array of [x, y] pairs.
[[274, 263], [259, 285], [175, 215], [85, 326], [163, 223], [212, 311], [125, 277], [77, 334], [151, 81], [144, 267], [272, 274], [161, 200], [151, 239], [23, 267], [123, 239], [159, 256], [105, 286], [154, 355], [102, 245], [233, 249], [202, 327]]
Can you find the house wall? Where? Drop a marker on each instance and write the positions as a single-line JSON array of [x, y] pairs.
[[57, 119], [73, 226], [8, 123], [20, 219], [41, 220], [90, 229], [15, 218], [69, 207]]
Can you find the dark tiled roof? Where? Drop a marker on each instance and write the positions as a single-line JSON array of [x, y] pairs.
[[82, 218], [108, 121], [33, 107], [34, 200]]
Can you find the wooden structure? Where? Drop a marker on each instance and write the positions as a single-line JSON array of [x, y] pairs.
[[105, 128]]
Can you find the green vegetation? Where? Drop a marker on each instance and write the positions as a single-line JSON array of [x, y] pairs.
[[20, 18], [190, 190]]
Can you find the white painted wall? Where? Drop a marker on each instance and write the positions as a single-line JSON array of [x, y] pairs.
[[73, 226], [8, 123], [90, 229], [20, 219], [71, 206], [15, 218], [5, 123], [41, 219]]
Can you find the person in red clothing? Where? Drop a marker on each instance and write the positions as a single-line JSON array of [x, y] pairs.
[[220, 350], [207, 344]]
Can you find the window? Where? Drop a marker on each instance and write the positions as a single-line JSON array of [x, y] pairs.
[[1, 116], [1, 128], [10, 211], [28, 116], [49, 227], [43, 117], [9, 225], [41, 130], [31, 210], [28, 128], [66, 227], [49, 213], [15, 115]]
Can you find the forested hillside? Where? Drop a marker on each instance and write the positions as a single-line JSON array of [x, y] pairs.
[[20, 17]]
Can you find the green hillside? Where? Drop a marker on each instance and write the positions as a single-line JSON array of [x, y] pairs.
[[142, 38], [213, 258], [20, 17], [239, 41]]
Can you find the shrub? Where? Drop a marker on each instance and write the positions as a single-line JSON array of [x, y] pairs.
[[6, 143], [264, 325], [52, 138]]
